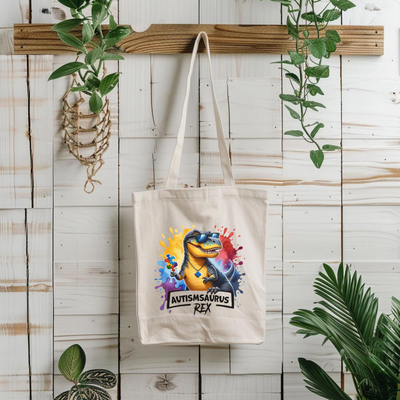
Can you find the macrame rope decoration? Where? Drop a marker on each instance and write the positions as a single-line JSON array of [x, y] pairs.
[[86, 134]]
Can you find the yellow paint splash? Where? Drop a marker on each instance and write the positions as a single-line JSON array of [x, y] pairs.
[[175, 247]]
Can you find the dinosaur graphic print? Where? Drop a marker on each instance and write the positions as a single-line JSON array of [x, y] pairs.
[[201, 269]]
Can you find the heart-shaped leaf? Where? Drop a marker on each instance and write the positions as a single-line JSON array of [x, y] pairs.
[[116, 36], [86, 392], [100, 377], [316, 47], [333, 35], [67, 69], [295, 57], [320, 71], [311, 17], [72, 362], [343, 5], [317, 157], [95, 105], [108, 83], [331, 15], [314, 89]]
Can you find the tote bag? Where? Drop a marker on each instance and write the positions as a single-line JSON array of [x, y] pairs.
[[200, 254]]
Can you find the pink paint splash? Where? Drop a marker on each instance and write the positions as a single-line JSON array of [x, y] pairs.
[[229, 249]]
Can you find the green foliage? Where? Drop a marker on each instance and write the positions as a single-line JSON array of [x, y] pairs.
[[369, 346], [88, 385], [93, 45], [72, 362], [305, 68]]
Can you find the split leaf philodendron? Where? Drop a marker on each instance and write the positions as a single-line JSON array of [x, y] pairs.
[[304, 68], [89, 385], [94, 46], [368, 343]]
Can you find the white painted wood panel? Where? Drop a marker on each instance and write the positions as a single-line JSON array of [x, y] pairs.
[[15, 159], [294, 387], [305, 185], [371, 233], [160, 386], [15, 367], [94, 269], [39, 227], [312, 233], [241, 387], [41, 126], [371, 172]]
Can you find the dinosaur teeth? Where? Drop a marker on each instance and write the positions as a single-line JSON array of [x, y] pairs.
[[209, 251]]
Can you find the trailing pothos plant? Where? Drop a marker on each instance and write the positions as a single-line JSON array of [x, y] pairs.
[[94, 47], [368, 344], [88, 385], [305, 68]]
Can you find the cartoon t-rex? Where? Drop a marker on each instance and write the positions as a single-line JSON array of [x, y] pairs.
[[197, 269]]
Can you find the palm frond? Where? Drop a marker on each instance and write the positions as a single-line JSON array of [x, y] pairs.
[[348, 319], [319, 382], [348, 300]]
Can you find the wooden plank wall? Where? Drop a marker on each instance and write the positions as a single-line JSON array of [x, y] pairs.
[[54, 236]]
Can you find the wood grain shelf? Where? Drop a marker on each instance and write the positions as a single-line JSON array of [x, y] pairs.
[[224, 39]]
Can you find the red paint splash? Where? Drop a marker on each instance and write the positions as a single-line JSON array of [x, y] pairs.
[[229, 250]]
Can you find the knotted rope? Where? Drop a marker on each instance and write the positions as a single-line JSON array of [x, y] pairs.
[[86, 144]]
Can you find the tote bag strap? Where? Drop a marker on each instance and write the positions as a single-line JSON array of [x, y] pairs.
[[172, 179]]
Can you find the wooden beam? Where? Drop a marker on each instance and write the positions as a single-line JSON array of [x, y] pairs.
[[224, 39]]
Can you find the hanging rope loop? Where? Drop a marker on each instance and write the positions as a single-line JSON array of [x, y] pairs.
[[86, 134]]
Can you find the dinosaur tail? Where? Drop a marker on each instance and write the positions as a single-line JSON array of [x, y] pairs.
[[230, 271]]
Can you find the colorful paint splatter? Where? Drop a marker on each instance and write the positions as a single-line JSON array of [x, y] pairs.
[[219, 249]]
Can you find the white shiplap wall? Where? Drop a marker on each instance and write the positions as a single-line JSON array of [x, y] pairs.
[[59, 244]]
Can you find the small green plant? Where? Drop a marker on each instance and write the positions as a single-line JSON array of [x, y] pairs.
[[88, 385], [369, 346], [305, 25], [94, 45]]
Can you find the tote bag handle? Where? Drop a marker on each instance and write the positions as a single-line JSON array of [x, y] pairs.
[[172, 179]]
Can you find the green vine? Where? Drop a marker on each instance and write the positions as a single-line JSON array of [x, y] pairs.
[[94, 44], [305, 25]]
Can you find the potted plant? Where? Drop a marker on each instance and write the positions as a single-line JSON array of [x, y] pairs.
[[86, 110], [369, 346]]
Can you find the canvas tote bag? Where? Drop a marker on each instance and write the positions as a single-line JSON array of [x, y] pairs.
[[200, 254]]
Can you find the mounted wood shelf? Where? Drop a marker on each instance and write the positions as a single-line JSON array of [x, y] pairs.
[[224, 39]]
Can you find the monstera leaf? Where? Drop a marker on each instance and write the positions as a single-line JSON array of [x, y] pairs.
[[100, 377], [87, 392], [72, 362]]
